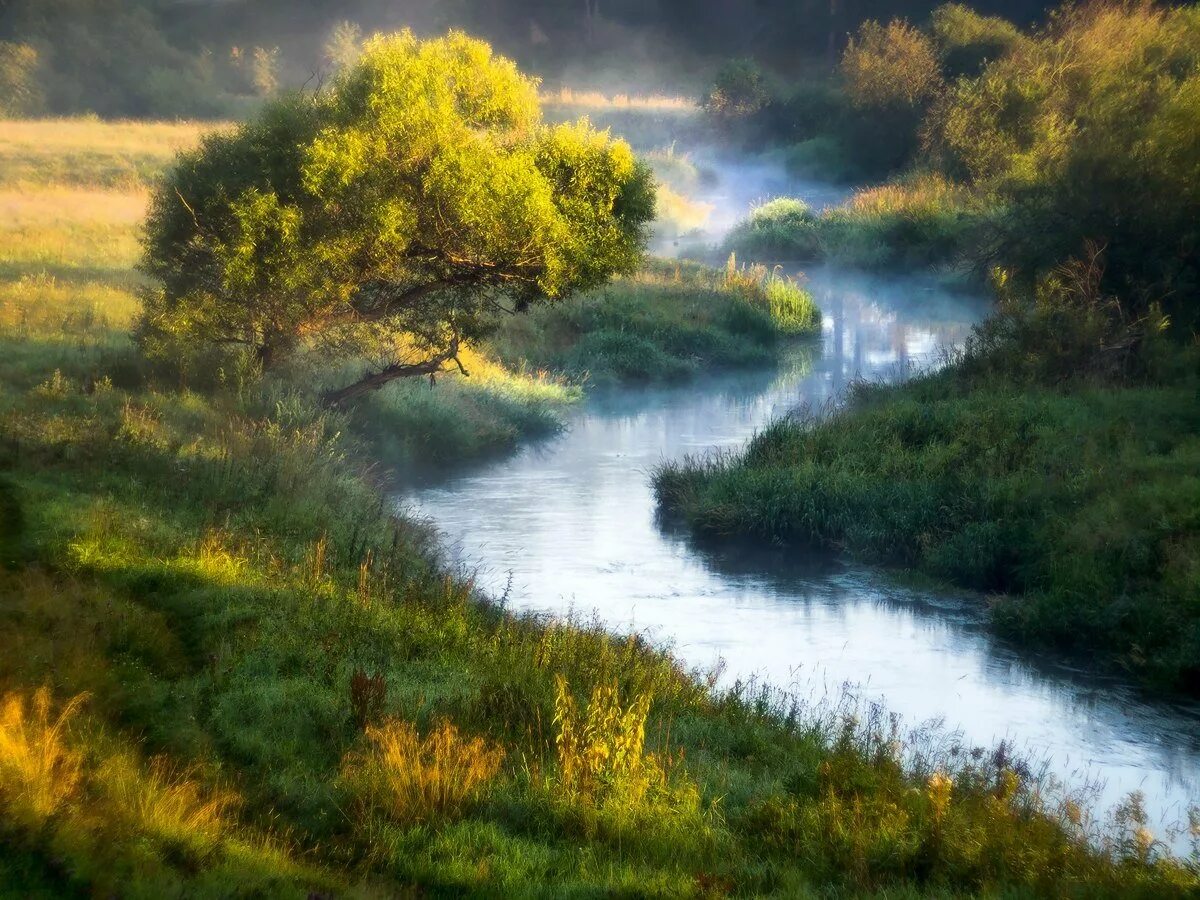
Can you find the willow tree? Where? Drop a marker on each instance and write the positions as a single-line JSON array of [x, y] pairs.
[[390, 217]]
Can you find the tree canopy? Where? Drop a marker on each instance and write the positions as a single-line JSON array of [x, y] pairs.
[[392, 215]]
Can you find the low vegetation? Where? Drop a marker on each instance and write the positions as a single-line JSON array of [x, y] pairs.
[[241, 674], [673, 320]]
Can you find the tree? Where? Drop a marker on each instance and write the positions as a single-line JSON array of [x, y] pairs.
[[20, 93], [393, 216], [892, 67]]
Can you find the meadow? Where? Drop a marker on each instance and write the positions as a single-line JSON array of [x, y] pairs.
[[240, 674]]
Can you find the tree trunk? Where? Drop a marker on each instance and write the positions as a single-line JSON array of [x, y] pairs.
[[373, 381]]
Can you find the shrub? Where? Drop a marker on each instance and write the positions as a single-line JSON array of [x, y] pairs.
[[409, 778], [967, 41], [890, 67], [738, 91], [783, 228], [603, 764], [1078, 132]]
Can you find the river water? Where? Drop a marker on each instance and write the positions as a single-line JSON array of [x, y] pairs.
[[569, 527]]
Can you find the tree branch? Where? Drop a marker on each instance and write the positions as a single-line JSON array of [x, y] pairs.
[[373, 381]]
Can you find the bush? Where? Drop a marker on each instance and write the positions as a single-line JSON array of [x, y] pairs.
[[890, 67], [1078, 133], [781, 229], [967, 41], [738, 92]]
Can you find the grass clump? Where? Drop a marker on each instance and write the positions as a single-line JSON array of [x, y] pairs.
[[38, 772], [410, 778]]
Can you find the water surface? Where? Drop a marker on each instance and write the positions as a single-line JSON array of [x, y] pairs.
[[569, 527]]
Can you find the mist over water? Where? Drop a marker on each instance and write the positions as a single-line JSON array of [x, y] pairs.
[[569, 527]]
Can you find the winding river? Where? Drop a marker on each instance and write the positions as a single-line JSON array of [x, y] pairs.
[[568, 527]]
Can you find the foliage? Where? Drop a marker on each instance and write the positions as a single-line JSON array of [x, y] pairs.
[[1078, 131], [20, 93], [919, 221], [410, 778], [350, 218], [208, 556], [890, 67], [967, 41], [672, 320], [1060, 402], [739, 90]]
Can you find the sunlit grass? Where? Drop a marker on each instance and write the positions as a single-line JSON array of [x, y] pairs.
[[591, 99], [38, 771], [413, 778]]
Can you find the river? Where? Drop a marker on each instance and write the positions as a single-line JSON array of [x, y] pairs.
[[568, 527]]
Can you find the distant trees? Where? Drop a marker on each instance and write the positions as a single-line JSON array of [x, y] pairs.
[[20, 92], [393, 216]]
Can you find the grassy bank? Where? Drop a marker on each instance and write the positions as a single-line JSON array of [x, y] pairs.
[[233, 672], [1065, 492], [914, 223], [672, 321]]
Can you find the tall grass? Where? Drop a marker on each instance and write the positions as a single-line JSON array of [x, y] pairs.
[[412, 778], [38, 771], [919, 221]]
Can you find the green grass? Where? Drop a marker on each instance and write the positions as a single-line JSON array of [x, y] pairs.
[[672, 321], [206, 561], [919, 222], [1075, 506]]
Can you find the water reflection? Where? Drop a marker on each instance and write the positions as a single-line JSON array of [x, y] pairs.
[[573, 521]]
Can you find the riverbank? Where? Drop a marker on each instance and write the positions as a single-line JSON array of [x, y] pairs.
[[1028, 470], [257, 680]]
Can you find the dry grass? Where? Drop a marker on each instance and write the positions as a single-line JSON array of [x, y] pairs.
[[86, 151], [38, 771], [599, 100], [413, 779]]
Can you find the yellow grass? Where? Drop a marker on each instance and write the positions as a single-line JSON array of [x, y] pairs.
[[164, 802], [38, 772], [410, 778], [87, 151], [599, 100]]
